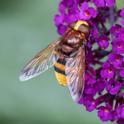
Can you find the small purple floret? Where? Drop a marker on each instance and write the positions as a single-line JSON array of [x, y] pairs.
[[104, 62]]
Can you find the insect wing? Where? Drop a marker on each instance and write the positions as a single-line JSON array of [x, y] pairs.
[[75, 74], [40, 63]]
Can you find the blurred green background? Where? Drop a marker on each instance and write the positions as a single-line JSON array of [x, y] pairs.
[[26, 26]]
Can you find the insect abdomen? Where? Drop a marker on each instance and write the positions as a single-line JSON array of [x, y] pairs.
[[59, 67]]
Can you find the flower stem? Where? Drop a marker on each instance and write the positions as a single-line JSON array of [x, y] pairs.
[[112, 15]]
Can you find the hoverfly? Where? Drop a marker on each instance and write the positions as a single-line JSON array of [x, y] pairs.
[[67, 55]]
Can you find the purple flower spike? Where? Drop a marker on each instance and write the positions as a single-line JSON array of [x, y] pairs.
[[104, 54], [110, 3], [87, 12], [107, 72], [120, 111], [113, 87], [116, 60], [115, 30], [122, 15], [99, 3], [62, 8], [122, 12], [90, 105], [120, 121], [104, 114], [104, 3], [103, 41], [122, 73], [122, 21], [118, 45], [62, 29], [58, 20]]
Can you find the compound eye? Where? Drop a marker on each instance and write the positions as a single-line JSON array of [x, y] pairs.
[[84, 29]]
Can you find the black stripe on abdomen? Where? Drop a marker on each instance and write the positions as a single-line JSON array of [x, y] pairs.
[[59, 68], [61, 61]]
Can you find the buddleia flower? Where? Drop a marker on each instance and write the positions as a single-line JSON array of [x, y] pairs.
[[104, 74]]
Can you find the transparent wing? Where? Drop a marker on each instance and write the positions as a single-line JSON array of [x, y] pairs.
[[75, 74], [40, 63]]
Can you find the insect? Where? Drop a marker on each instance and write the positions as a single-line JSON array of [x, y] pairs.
[[67, 55]]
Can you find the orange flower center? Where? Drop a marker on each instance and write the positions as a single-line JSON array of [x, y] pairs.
[[87, 13], [117, 58], [103, 40], [110, 71], [119, 45], [106, 110]]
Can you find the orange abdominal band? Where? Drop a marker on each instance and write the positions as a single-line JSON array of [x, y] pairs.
[[60, 66]]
